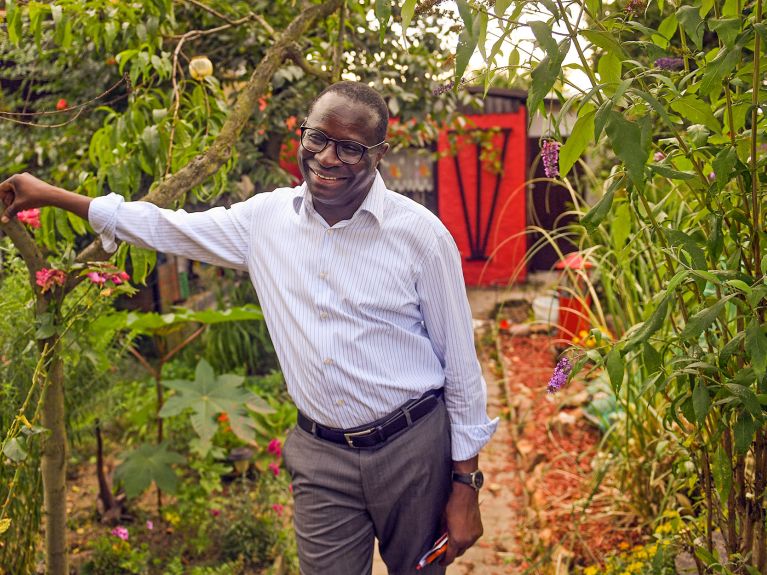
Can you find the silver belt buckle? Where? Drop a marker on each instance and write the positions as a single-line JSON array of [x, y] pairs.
[[349, 437]]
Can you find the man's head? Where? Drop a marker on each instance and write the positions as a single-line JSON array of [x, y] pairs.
[[344, 111]]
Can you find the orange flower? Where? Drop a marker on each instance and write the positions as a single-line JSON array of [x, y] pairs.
[[223, 417]]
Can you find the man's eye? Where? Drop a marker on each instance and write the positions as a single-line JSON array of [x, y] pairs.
[[317, 139], [351, 149]]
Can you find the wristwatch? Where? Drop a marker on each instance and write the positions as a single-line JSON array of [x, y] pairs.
[[474, 479]]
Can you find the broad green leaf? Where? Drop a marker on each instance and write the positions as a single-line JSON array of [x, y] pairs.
[[13, 22], [651, 358], [408, 9], [606, 41], [142, 262], [626, 139], [464, 9], [609, 68], [147, 464], [723, 164], [467, 42], [668, 26], [615, 368], [744, 432], [746, 397], [698, 323], [599, 211], [692, 108], [756, 347], [577, 142], [649, 327], [701, 402], [542, 33], [727, 29], [678, 238], [620, 228], [692, 23], [482, 38], [670, 173], [730, 8], [500, 7], [718, 68], [15, 449], [545, 74], [722, 471]]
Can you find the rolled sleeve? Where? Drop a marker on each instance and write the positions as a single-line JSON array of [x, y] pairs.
[[447, 318], [217, 236]]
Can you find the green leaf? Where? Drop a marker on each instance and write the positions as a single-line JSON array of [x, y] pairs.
[[606, 41], [599, 211], [609, 68], [718, 68], [147, 464], [15, 449], [723, 164], [701, 402], [744, 432], [383, 14], [208, 396], [626, 139], [649, 327], [692, 23], [408, 9], [46, 326], [678, 238], [722, 471], [577, 142], [691, 108], [746, 397], [545, 74], [13, 22], [142, 262], [756, 347], [727, 29], [669, 173], [651, 359], [467, 42], [704, 318], [500, 7], [615, 368]]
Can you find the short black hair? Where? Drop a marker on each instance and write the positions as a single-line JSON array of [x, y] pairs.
[[364, 94]]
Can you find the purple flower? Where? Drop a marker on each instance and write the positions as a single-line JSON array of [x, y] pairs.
[[659, 156], [120, 532], [150, 525], [673, 64], [441, 89], [634, 6], [559, 377], [712, 176], [550, 157]]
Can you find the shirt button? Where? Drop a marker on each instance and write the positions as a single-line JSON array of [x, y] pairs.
[[323, 275], [340, 402], [330, 232], [324, 315], [328, 361]]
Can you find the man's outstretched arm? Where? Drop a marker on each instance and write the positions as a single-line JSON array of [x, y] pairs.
[[25, 192]]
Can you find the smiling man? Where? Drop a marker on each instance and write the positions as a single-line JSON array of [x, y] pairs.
[[363, 295]]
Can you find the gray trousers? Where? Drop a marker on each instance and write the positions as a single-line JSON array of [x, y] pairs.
[[345, 498]]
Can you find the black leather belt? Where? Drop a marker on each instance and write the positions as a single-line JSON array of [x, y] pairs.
[[373, 434]]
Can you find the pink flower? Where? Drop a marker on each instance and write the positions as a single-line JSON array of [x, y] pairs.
[[97, 278], [120, 532], [46, 278], [278, 509], [274, 468], [550, 157], [29, 217], [659, 156], [290, 488], [215, 512], [150, 525], [275, 447], [119, 278]]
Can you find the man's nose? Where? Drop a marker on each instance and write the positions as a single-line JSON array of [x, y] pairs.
[[328, 156]]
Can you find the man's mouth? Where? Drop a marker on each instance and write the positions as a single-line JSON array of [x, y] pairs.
[[326, 178]]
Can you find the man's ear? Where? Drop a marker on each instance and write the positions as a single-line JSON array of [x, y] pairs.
[[382, 152]]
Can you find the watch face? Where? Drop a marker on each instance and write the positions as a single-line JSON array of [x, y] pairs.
[[479, 479]]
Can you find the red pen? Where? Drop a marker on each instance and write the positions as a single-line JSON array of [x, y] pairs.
[[440, 546]]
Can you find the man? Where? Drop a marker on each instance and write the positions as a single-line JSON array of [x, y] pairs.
[[363, 295]]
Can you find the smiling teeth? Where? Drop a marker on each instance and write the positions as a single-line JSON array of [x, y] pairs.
[[320, 176]]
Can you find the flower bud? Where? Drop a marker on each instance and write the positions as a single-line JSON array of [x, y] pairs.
[[200, 67]]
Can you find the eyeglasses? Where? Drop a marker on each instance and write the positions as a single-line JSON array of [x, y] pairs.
[[348, 151]]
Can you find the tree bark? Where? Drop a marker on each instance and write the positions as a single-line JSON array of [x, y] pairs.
[[54, 466]]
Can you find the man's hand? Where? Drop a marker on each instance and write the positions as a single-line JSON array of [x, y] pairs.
[[464, 522], [25, 192]]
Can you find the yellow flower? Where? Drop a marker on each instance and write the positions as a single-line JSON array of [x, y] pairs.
[[591, 570], [623, 545]]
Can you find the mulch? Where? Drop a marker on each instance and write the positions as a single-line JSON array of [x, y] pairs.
[[568, 516]]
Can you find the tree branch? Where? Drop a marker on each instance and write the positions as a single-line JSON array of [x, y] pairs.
[[26, 246], [205, 165], [294, 53]]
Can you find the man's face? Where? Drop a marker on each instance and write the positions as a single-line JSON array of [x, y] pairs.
[[334, 185]]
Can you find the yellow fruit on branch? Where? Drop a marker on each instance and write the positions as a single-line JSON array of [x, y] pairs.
[[200, 67]]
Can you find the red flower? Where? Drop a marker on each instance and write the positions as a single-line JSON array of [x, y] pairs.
[[278, 509], [275, 447], [504, 324], [29, 217], [274, 468], [223, 417], [61, 104], [46, 278]]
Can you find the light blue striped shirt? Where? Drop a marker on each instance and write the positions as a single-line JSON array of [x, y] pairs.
[[364, 315]]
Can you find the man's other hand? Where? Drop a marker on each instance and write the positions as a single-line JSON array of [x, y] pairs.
[[464, 522], [25, 192]]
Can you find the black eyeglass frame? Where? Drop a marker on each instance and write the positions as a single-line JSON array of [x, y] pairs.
[[328, 139]]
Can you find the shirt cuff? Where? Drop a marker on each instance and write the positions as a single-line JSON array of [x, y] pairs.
[[102, 216], [467, 440]]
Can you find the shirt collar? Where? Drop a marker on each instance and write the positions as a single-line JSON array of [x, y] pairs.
[[374, 203]]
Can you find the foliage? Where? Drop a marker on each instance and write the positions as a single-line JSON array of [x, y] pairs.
[[673, 95], [145, 465], [114, 556]]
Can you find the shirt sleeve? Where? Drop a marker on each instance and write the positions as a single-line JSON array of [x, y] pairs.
[[447, 317], [217, 236]]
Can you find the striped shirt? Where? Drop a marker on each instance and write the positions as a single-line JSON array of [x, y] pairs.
[[364, 315]]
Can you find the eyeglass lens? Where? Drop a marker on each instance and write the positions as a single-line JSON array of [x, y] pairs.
[[348, 152]]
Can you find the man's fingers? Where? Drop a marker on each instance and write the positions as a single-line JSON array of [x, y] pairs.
[[8, 198]]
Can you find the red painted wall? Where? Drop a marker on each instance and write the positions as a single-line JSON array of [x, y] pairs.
[[503, 235]]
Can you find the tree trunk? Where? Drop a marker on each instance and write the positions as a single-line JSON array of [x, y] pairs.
[[54, 468]]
